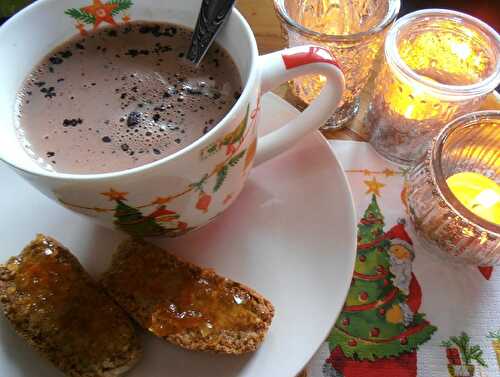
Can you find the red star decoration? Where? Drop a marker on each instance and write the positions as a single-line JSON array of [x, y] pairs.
[[115, 195], [101, 12]]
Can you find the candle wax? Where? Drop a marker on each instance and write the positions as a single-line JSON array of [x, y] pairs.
[[478, 193]]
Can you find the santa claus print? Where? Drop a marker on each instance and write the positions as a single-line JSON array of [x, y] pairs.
[[380, 328], [401, 257]]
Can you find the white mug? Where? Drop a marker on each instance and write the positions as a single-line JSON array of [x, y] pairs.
[[187, 189]]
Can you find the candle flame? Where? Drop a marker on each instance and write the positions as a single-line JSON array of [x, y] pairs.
[[444, 53], [463, 50], [487, 198], [409, 111], [477, 193]]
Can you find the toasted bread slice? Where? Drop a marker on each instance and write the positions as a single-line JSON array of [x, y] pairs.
[[54, 304], [184, 304]]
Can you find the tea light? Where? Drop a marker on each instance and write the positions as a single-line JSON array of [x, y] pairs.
[[477, 193], [438, 65], [452, 195]]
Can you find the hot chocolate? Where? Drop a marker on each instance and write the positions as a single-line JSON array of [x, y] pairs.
[[122, 97]]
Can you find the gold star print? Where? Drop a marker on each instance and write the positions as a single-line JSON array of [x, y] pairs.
[[374, 186], [115, 195]]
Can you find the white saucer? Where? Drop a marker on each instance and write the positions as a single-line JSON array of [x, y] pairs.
[[291, 236]]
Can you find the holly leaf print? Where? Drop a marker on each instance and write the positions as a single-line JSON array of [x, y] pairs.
[[221, 177]]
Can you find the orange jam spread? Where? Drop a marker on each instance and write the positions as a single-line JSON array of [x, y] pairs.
[[202, 303], [176, 297], [54, 294]]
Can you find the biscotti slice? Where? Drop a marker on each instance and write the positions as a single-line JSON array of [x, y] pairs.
[[54, 304], [184, 304]]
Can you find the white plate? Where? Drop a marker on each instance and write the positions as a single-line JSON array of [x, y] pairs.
[[291, 236]]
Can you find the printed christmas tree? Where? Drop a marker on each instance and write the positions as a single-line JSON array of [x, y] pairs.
[[133, 222], [380, 317]]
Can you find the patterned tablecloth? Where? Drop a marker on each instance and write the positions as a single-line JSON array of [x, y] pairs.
[[407, 312]]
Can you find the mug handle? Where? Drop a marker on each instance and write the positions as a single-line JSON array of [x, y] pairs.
[[284, 65]]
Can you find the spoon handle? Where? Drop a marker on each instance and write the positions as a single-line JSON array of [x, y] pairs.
[[213, 14]]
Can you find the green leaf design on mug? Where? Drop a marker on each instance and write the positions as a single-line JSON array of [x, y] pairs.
[[222, 174], [234, 161], [80, 15], [122, 5], [221, 177]]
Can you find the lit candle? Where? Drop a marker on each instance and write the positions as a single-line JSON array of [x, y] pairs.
[[456, 213], [443, 57], [477, 193], [432, 60]]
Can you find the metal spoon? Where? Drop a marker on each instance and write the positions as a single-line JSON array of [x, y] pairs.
[[213, 14]]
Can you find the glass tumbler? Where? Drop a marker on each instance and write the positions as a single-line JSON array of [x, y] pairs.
[[452, 195], [439, 64], [353, 30]]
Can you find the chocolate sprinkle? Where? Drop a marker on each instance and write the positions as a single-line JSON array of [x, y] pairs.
[[133, 119], [55, 60]]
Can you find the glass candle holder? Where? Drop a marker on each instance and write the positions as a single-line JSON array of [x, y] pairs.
[[439, 64], [452, 195], [353, 30]]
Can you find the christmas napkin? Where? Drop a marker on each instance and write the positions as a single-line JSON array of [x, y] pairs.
[[407, 313]]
